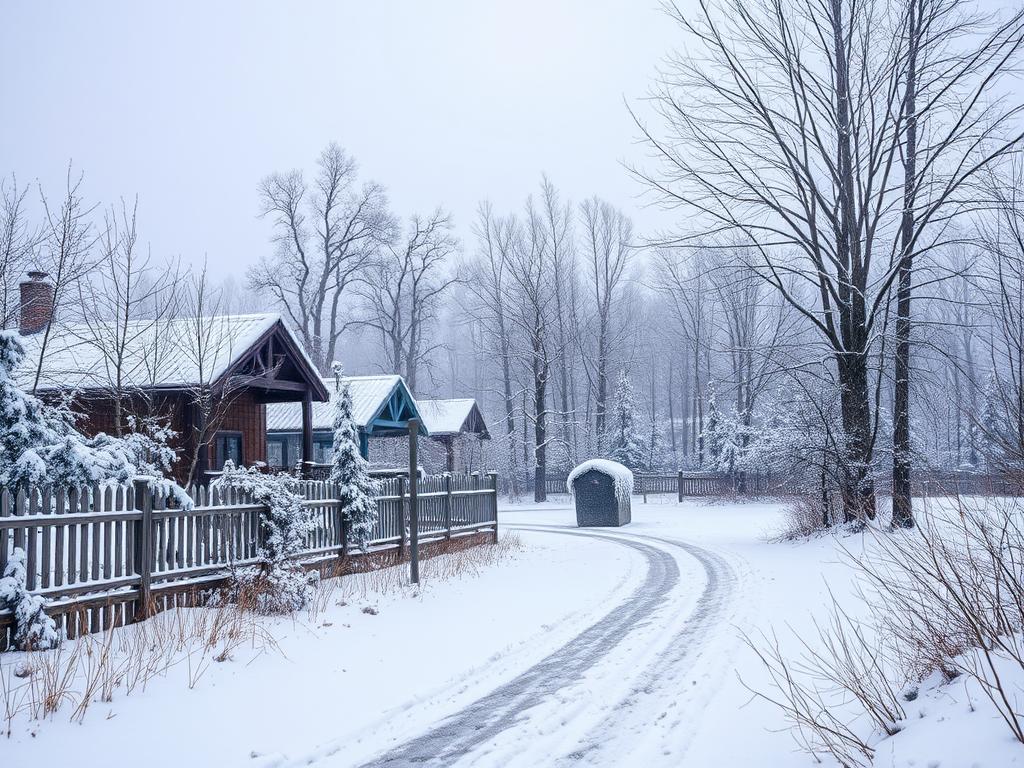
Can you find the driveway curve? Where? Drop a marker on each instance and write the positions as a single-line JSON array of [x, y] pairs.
[[473, 727]]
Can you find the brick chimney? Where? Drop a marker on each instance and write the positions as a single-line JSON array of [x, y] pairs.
[[36, 303]]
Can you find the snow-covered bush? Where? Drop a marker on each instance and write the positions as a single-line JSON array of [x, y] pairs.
[[350, 471], [33, 629], [728, 439], [278, 584], [40, 446]]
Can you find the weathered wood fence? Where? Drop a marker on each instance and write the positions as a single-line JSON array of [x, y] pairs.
[[106, 556], [685, 484], [680, 484]]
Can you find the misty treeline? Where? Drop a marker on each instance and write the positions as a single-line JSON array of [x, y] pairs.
[[840, 304]]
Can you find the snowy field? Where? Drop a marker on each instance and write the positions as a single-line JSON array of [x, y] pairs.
[[602, 647]]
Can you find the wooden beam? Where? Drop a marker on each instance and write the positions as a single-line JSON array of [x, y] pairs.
[[307, 430], [264, 382]]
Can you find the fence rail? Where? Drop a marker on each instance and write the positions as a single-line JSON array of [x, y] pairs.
[[688, 484], [106, 556]]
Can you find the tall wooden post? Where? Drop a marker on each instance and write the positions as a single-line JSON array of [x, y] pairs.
[[401, 516], [447, 506], [143, 539], [493, 477], [307, 432], [679, 481], [414, 512]]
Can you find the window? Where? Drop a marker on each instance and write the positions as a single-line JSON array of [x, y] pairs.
[[228, 445], [322, 451], [277, 450]]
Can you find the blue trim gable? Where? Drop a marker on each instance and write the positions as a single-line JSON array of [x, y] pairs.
[[394, 413]]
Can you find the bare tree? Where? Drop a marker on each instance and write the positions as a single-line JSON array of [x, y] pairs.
[[122, 306], [67, 251], [326, 233], [404, 288], [205, 338], [530, 271], [786, 126], [608, 249], [488, 285], [18, 241]]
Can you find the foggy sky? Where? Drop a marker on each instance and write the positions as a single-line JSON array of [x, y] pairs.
[[444, 103]]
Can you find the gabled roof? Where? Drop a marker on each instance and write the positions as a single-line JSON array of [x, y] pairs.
[[170, 354], [453, 417], [380, 404]]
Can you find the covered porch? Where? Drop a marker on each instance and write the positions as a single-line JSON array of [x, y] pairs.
[[382, 406]]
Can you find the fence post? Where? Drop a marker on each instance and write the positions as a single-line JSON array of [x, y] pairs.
[[643, 487], [143, 539], [414, 507], [679, 482], [401, 516], [448, 505], [494, 502], [341, 525]]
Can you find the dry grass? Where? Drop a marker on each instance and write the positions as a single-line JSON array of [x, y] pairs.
[[947, 597], [186, 641]]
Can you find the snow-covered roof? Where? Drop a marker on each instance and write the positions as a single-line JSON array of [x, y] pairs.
[[622, 476], [369, 396], [173, 353], [450, 417]]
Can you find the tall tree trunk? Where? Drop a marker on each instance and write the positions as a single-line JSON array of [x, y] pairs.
[[902, 511], [540, 375], [852, 358]]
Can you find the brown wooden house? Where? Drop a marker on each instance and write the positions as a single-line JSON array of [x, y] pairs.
[[210, 379]]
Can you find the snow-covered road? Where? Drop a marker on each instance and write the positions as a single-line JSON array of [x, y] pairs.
[[584, 647], [643, 638]]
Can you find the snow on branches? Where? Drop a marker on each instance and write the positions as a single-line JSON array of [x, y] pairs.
[[627, 444], [40, 446], [350, 471], [279, 584], [33, 629]]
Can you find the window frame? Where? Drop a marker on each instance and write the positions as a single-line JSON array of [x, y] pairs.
[[225, 433]]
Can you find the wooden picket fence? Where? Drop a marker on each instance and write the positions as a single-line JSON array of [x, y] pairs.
[[107, 556]]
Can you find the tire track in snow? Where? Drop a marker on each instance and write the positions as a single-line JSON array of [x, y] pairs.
[[481, 721], [668, 685], [500, 711]]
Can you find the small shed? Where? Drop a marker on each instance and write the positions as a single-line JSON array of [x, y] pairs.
[[601, 490], [449, 421]]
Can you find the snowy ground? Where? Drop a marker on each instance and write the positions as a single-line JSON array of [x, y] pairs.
[[602, 647]]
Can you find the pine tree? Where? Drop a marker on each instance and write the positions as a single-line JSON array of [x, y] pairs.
[[350, 471], [628, 442]]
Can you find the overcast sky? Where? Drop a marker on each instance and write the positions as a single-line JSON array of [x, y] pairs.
[[188, 105]]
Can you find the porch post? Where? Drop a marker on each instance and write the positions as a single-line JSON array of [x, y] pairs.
[[307, 431], [449, 449]]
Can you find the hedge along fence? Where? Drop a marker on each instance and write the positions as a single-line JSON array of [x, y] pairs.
[[113, 555]]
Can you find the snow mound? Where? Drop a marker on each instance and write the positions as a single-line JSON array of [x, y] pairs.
[[622, 476]]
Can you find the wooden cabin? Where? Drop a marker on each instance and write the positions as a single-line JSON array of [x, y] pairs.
[[456, 423], [210, 379], [381, 407]]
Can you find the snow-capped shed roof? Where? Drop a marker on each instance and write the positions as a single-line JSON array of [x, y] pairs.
[[453, 417], [171, 354], [622, 476], [379, 404]]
